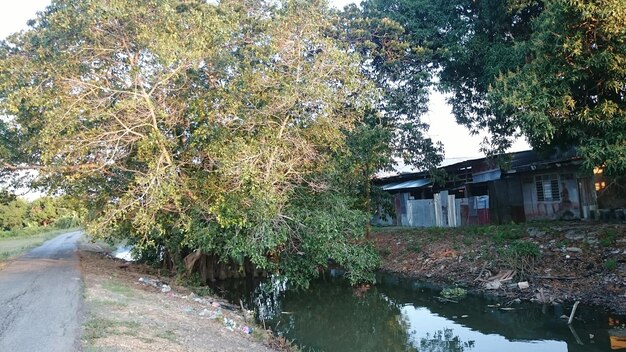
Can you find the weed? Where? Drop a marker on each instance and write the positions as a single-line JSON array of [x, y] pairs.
[[202, 291], [564, 243], [167, 335], [610, 264], [520, 255], [195, 284], [506, 233], [100, 327], [108, 303], [467, 241], [608, 238], [414, 247], [455, 292]]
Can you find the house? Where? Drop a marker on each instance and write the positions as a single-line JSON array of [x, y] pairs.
[[515, 187]]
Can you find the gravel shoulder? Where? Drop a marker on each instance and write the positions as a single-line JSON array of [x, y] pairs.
[[576, 261], [126, 314]]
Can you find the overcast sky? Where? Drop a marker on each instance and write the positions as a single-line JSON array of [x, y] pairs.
[[456, 139]]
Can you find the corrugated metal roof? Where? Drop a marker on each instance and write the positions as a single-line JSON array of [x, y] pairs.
[[407, 184], [485, 176]]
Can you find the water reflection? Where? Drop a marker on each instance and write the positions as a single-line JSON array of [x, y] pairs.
[[444, 341], [402, 315], [451, 336]]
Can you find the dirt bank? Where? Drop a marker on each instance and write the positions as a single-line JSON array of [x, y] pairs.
[[125, 313], [564, 261]]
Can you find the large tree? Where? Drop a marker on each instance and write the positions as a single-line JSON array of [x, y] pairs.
[[571, 88], [191, 126], [551, 71], [392, 129]]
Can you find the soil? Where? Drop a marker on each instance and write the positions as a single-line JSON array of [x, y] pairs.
[[126, 314], [575, 261]]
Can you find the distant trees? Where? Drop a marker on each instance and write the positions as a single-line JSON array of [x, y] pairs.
[[13, 214], [16, 213]]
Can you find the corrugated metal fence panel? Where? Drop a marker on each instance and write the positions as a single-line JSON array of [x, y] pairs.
[[422, 213], [457, 212], [452, 211]]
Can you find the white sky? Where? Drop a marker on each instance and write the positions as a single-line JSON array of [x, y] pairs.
[[456, 139]]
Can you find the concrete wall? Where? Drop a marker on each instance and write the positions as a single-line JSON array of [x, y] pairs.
[[566, 207]]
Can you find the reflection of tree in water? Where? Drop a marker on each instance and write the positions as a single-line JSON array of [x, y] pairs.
[[329, 317], [443, 341]]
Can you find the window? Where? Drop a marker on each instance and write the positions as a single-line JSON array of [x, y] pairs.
[[547, 188]]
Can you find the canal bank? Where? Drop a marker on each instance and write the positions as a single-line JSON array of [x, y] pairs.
[[400, 314], [552, 263]]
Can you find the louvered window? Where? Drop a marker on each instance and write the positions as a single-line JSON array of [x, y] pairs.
[[547, 188]]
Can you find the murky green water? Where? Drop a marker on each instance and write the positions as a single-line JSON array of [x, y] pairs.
[[403, 315]]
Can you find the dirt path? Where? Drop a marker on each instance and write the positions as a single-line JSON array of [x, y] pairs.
[[126, 314], [41, 298]]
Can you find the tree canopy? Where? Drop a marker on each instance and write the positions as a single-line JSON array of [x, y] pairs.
[[552, 71], [189, 125]]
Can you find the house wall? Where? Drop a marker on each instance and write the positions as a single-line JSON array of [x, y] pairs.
[[506, 201], [567, 206]]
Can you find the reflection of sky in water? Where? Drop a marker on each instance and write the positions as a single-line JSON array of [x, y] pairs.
[[422, 322]]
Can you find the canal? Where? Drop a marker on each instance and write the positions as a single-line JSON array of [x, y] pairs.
[[406, 315]]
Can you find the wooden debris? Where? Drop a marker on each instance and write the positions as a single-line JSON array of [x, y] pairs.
[[495, 282]]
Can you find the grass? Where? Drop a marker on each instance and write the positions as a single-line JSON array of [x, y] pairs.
[[608, 237], [34, 231], [414, 247], [610, 265], [498, 234], [14, 246], [108, 303], [118, 288], [167, 335], [101, 327]]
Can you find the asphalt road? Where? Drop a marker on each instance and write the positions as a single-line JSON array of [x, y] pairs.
[[41, 299]]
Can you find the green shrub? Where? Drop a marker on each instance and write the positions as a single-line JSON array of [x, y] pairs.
[[520, 255], [608, 237], [524, 249], [610, 264]]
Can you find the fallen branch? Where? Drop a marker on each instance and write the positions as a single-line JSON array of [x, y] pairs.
[[571, 316], [556, 277], [480, 274], [446, 300]]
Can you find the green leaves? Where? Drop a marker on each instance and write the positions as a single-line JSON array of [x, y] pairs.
[[566, 93], [188, 125], [552, 71]]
